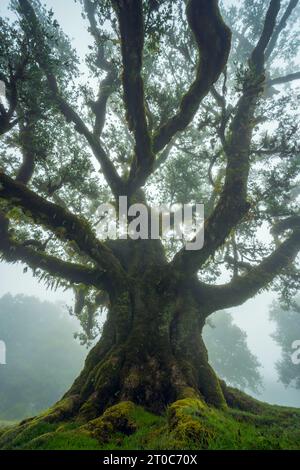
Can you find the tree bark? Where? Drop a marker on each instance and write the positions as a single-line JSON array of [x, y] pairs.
[[151, 351]]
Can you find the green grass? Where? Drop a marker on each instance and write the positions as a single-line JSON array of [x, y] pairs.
[[6, 423], [187, 424]]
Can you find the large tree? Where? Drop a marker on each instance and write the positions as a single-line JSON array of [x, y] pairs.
[[187, 109]]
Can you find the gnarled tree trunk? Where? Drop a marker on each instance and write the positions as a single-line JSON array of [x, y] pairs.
[[151, 350]]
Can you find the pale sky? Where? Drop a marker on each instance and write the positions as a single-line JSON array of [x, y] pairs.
[[252, 317]]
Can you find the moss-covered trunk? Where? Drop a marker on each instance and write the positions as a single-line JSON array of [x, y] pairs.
[[151, 351]]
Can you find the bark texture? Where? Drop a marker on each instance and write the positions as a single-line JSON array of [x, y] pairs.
[[151, 351]]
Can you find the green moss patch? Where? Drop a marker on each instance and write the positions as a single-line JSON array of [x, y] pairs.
[[115, 420], [187, 424]]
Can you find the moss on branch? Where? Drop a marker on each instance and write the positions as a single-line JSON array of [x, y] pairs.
[[131, 24], [65, 225], [213, 39]]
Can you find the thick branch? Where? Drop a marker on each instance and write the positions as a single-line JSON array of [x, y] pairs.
[[280, 27], [257, 58], [245, 287], [285, 79], [106, 88], [131, 24], [63, 223], [26, 169], [233, 205], [213, 40], [109, 83], [13, 251], [6, 125]]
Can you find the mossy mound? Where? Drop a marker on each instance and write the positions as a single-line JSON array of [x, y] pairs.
[[116, 419], [187, 424]]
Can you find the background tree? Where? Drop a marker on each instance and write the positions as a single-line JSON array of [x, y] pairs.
[[178, 90], [229, 354], [287, 331], [42, 356]]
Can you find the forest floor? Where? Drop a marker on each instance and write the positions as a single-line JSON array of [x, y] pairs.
[[186, 424]]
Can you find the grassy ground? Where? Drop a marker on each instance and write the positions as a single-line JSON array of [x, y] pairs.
[[5, 423], [187, 424]]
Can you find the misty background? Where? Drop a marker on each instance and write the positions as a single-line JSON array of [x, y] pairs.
[[252, 317]]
